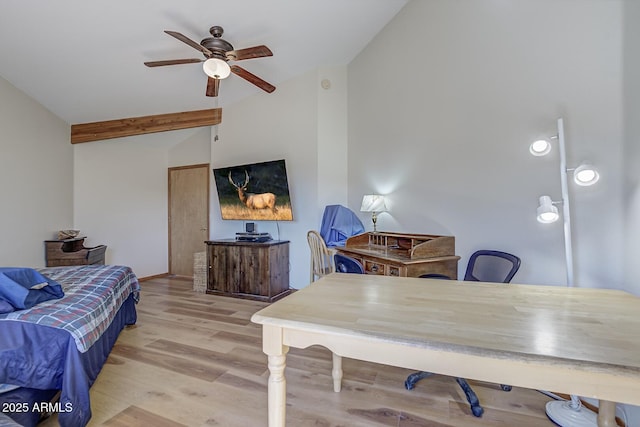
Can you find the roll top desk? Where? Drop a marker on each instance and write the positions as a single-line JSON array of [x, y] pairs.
[[403, 254]]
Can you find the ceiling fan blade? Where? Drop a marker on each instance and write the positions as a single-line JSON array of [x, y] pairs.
[[190, 42], [172, 62], [252, 78], [212, 86], [248, 53]]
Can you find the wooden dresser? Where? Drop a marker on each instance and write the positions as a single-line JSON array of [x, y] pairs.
[[251, 270], [72, 252], [403, 254]]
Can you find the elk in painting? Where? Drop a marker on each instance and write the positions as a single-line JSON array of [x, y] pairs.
[[254, 201]]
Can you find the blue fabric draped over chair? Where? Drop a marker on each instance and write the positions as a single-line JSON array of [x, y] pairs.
[[338, 224]]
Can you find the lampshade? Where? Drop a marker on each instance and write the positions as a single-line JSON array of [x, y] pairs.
[[373, 203], [547, 212], [216, 68], [540, 147], [585, 175]]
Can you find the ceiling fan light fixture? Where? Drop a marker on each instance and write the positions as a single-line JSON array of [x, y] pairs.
[[216, 68]]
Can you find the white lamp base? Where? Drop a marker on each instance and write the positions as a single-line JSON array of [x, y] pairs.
[[564, 414]]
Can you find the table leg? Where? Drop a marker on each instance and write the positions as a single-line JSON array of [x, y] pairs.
[[606, 414], [273, 347], [277, 391], [336, 372]]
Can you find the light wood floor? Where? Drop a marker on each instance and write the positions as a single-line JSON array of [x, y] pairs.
[[196, 360]]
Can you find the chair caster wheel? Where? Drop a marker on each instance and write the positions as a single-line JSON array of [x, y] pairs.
[[505, 387], [477, 411]]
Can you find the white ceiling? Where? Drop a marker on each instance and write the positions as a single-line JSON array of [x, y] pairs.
[[83, 59]]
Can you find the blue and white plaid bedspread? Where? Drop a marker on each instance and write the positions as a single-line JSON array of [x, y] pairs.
[[93, 295]]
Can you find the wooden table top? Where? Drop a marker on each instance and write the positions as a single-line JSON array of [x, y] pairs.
[[594, 328]]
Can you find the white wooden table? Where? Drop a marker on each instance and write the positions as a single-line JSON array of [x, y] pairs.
[[567, 340]]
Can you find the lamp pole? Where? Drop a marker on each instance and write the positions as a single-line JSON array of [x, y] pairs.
[[571, 413], [566, 210]]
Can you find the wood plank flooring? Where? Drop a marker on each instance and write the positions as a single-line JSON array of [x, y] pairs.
[[196, 360]]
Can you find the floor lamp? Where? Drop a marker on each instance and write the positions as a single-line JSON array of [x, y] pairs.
[[565, 413]]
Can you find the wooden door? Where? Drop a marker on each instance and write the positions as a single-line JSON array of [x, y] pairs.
[[188, 216]]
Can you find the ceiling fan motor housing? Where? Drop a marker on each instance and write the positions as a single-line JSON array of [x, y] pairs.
[[216, 44]]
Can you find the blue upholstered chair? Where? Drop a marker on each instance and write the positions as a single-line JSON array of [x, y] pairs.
[[346, 264], [483, 266]]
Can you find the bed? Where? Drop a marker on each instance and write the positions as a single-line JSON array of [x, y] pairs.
[[60, 345]]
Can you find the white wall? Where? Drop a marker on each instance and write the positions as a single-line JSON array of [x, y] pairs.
[[332, 136], [293, 123], [443, 126], [632, 158], [114, 191], [36, 178], [632, 143], [121, 190], [194, 149]]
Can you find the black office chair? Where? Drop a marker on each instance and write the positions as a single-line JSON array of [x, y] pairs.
[[346, 264], [483, 266], [435, 276], [492, 266]]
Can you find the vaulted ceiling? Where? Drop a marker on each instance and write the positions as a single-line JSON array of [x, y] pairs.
[[83, 60]]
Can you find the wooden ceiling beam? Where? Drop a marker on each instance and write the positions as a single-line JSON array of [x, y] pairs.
[[96, 131]]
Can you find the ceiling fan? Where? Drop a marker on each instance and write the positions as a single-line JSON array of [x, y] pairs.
[[218, 53]]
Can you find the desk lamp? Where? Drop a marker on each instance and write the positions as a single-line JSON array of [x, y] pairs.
[[373, 203]]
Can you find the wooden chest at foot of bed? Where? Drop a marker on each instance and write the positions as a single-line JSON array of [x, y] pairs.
[[72, 252]]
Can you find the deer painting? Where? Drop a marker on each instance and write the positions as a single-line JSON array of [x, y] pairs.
[[254, 201]]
